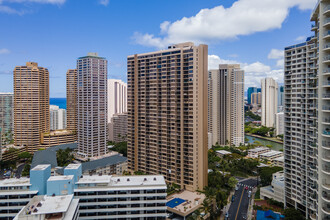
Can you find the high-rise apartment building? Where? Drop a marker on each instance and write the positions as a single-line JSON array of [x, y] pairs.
[[250, 91], [57, 118], [269, 94], [226, 104], [280, 97], [256, 98], [6, 117], [118, 128], [31, 104], [167, 114], [279, 123], [300, 128], [92, 105], [71, 100], [117, 97]]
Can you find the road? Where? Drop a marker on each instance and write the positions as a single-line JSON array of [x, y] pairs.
[[239, 207], [19, 170]]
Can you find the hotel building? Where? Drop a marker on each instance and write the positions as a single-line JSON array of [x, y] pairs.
[[71, 100], [117, 97], [167, 114], [269, 98], [31, 105]]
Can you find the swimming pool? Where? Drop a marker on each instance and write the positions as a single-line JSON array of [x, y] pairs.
[[175, 202]]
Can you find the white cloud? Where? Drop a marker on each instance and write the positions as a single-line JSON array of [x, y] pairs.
[[4, 51], [276, 54], [254, 72], [280, 63], [300, 38], [104, 2], [244, 17]]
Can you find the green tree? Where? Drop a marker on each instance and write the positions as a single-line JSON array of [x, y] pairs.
[[293, 214], [266, 174], [232, 181], [121, 148], [26, 170], [64, 157], [24, 155]]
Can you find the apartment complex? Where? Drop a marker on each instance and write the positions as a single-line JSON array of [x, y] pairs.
[[269, 98], [6, 117], [117, 128], [226, 104], [167, 114], [250, 91], [92, 105], [31, 104], [117, 97], [71, 100], [279, 123], [301, 141], [256, 98], [57, 118], [98, 196]]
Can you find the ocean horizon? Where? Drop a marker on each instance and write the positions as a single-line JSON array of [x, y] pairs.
[[61, 102]]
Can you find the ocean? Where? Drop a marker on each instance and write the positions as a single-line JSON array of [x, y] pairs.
[[61, 102]]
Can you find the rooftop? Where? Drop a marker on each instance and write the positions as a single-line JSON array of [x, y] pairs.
[[73, 166], [41, 167], [280, 159], [187, 202], [103, 162], [224, 152], [258, 149], [15, 182], [57, 178], [271, 153]]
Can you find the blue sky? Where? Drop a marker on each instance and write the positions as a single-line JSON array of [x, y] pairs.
[[55, 33]]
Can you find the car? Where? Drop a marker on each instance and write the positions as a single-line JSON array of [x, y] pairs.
[[246, 188], [236, 188], [249, 194], [233, 198], [227, 215]]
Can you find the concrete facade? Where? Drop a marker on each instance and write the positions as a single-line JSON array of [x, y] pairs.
[[117, 128], [92, 105], [269, 98], [167, 114], [117, 97], [226, 105], [6, 117]]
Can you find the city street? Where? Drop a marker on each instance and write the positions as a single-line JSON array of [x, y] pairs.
[[239, 207], [19, 170]]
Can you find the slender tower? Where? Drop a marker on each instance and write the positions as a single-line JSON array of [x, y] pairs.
[[31, 105], [71, 100], [92, 105]]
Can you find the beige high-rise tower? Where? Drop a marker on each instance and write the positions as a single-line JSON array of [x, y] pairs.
[[71, 100], [31, 104], [269, 99], [226, 105], [167, 114]]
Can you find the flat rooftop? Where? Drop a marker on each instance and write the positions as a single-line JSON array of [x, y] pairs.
[[280, 159], [224, 152], [72, 166], [271, 153], [43, 205], [58, 178], [258, 149], [15, 182], [41, 167], [187, 202]]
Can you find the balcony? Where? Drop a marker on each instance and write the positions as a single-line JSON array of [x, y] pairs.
[[313, 27], [326, 84], [326, 96], [326, 158], [326, 209], [326, 196], [326, 10], [326, 169], [326, 133], [326, 22]]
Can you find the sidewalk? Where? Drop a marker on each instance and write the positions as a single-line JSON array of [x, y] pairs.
[[226, 208]]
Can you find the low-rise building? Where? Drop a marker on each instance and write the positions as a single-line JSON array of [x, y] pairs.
[[222, 153], [100, 196], [10, 152], [117, 128], [58, 137], [278, 162], [271, 155], [275, 190], [254, 153]]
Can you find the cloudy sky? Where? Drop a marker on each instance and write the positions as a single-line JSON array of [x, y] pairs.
[[55, 32]]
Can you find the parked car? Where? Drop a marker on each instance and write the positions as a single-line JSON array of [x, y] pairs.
[[227, 215], [233, 198], [236, 188], [249, 194]]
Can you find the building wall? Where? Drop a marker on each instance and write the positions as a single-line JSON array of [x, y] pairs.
[[117, 128], [6, 117], [31, 104], [300, 127], [226, 105], [250, 91], [269, 96], [279, 123], [256, 98], [117, 97], [58, 137], [167, 114], [71, 100], [92, 105]]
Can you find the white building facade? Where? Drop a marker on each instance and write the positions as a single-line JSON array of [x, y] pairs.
[[279, 123], [57, 118], [269, 99], [117, 97]]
